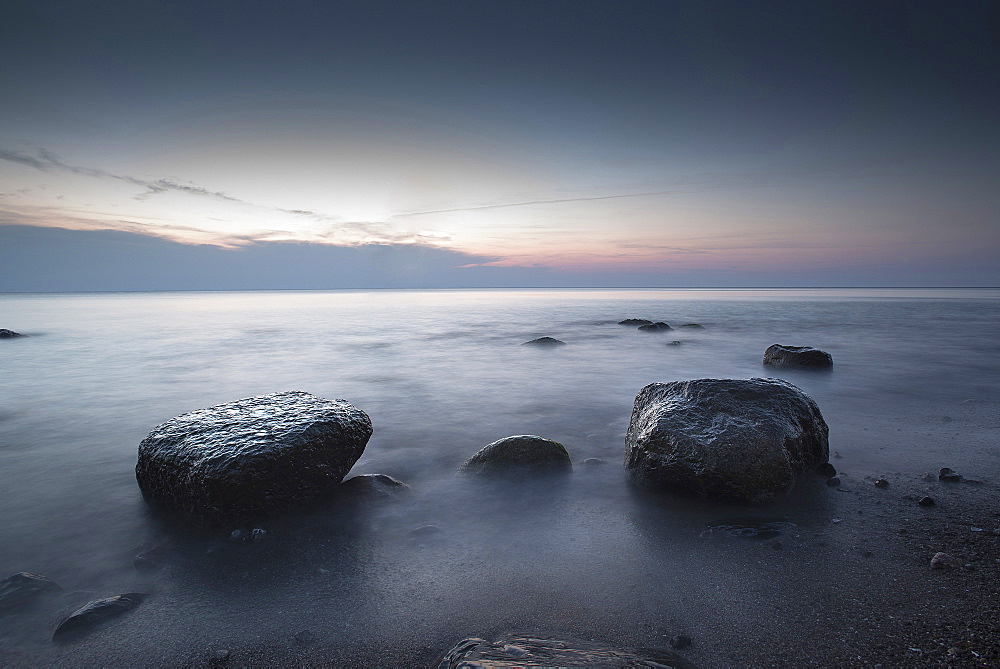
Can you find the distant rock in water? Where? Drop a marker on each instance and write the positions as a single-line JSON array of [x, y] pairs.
[[741, 440], [693, 326], [92, 614], [522, 454], [544, 341], [518, 650], [371, 486], [22, 588], [635, 322], [655, 327], [9, 334], [797, 357], [232, 462]]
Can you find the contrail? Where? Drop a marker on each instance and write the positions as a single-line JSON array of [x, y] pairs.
[[504, 205]]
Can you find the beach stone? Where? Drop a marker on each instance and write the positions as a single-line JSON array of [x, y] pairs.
[[881, 483], [519, 650], [544, 341], [797, 357], [949, 476], [655, 327], [926, 501], [741, 440], [826, 469], [9, 334], [519, 454], [635, 322], [92, 614], [235, 461], [21, 588], [371, 486]]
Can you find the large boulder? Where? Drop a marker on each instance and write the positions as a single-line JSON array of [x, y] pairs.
[[521, 454], [797, 357], [236, 461], [741, 440]]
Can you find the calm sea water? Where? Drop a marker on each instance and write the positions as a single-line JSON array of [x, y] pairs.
[[442, 373]]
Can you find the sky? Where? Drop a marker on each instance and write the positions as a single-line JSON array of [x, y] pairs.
[[338, 144]]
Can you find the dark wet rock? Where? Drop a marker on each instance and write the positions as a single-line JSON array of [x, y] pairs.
[[9, 334], [635, 322], [595, 461], [371, 486], [90, 615], [797, 357], [680, 642], [239, 460], [693, 326], [750, 528], [519, 455], [926, 501], [741, 440], [881, 483], [23, 588], [655, 327], [517, 650], [544, 341], [945, 561], [949, 476], [675, 342], [826, 469], [833, 481]]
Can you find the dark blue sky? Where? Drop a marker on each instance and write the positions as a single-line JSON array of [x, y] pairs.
[[596, 142]]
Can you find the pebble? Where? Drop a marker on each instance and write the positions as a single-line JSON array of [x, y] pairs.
[[926, 501], [949, 475], [943, 561], [680, 641], [257, 533], [881, 483], [221, 655], [836, 520]]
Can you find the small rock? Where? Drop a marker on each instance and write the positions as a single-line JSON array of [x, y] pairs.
[[836, 520], [881, 483], [595, 461], [635, 322], [9, 334], [833, 481], [238, 535], [94, 613], [257, 533], [544, 341], [680, 641], [945, 561], [371, 487], [220, 655], [948, 475], [925, 501], [655, 327], [22, 587], [837, 455], [826, 469]]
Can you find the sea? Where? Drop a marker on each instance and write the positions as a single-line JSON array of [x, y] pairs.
[[442, 373]]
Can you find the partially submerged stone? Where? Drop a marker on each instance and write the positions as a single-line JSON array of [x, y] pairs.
[[740, 440], [635, 322], [521, 454], [92, 614], [544, 341], [693, 326], [371, 486], [22, 588], [520, 650], [236, 461], [9, 334], [655, 327], [797, 357]]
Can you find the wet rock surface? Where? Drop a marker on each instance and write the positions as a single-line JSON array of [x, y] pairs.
[[521, 454], [88, 617], [635, 322], [725, 439], [797, 357], [9, 334], [544, 341], [235, 461], [517, 650], [655, 327], [22, 588], [370, 487]]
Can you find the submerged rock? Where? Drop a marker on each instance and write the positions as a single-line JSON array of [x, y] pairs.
[[655, 327], [948, 475], [635, 322], [22, 588], [826, 469], [520, 454], [92, 614], [518, 650], [371, 486], [797, 357], [9, 334], [741, 440], [544, 341], [694, 326], [235, 461]]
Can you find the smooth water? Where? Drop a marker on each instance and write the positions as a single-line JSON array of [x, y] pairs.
[[442, 373]]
